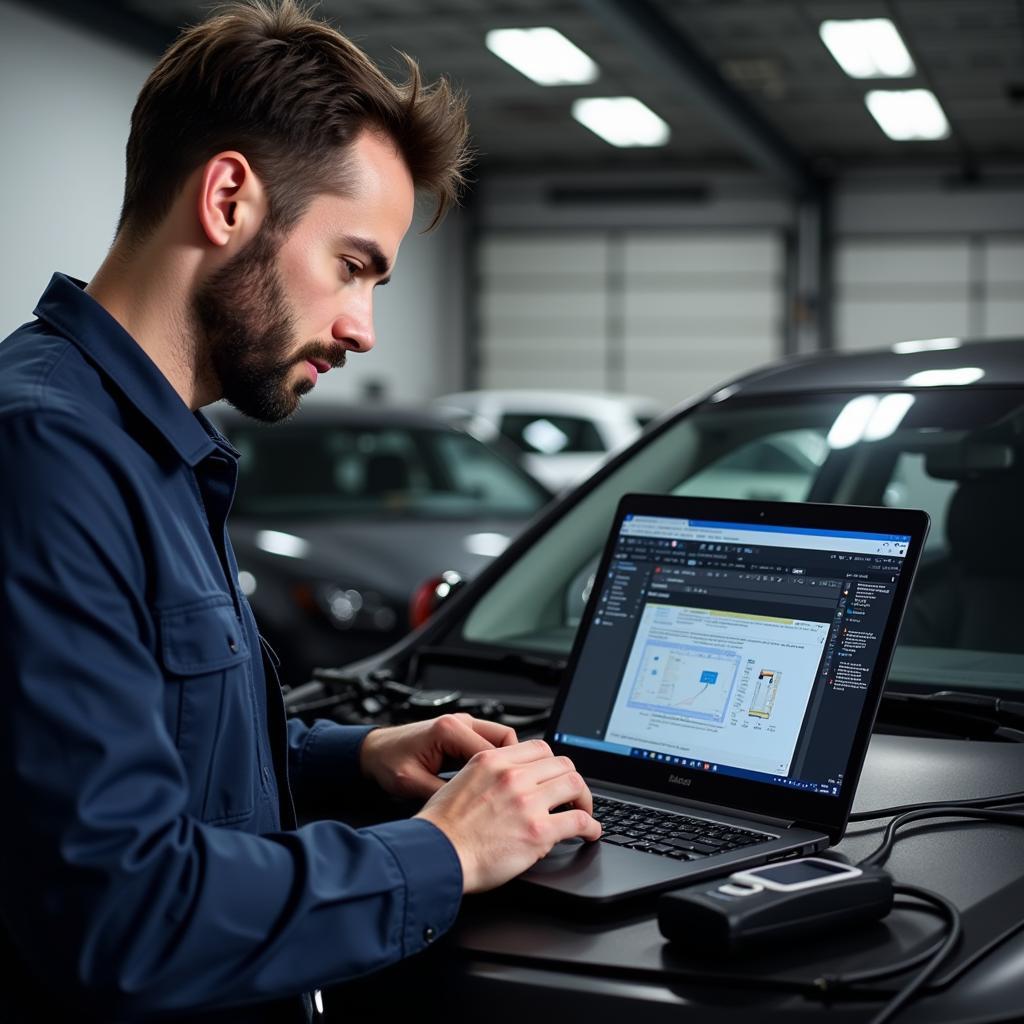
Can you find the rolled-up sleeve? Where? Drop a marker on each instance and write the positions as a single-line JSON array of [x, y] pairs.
[[122, 899]]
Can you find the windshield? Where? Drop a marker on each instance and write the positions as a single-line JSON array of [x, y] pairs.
[[324, 471], [957, 454]]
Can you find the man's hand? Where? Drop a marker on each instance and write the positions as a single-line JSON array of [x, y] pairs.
[[404, 759], [497, 811]]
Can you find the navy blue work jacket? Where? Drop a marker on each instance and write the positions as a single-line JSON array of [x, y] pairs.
[[150, 863]]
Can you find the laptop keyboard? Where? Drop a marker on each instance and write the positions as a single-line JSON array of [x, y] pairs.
[[668, 834]]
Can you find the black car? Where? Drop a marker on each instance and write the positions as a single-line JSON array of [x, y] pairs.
[[933, 425], [341, 514], [941, 430]]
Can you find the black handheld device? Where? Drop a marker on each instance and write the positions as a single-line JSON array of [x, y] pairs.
[[765, 904]]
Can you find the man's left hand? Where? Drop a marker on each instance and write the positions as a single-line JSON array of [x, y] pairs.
[[404, 759]]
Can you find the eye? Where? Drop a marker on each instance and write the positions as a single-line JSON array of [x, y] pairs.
[[351, 268]]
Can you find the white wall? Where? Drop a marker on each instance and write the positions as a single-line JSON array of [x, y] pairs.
[[66, 98], [65, 102], [419, 321]]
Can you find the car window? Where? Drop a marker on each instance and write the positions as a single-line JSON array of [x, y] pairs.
[[474, 470], [910, 486], [959, 454], [295, 471], [779, 467], [551, 435]]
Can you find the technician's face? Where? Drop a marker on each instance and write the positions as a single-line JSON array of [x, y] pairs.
[[288, 308]]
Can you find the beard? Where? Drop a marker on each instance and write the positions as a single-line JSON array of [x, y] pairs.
[[245, 334]]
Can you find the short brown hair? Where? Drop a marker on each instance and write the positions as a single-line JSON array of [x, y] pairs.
[[290, 93]]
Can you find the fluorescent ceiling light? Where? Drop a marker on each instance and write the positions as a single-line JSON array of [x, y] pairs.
[[542, 54], [908, 114], [622, 121], [867, 48], [903, 348]]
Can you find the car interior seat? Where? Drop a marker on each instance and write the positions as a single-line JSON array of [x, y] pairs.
[[970, 598]]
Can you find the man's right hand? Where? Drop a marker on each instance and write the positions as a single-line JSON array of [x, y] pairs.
[[497, 811]]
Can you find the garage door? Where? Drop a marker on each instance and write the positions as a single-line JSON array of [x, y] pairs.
[[890, 290], [659, 313]]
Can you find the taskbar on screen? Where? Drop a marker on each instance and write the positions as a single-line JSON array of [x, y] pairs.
[[827, 789]]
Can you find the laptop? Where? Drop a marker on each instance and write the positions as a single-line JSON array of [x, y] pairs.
[[723, 684]]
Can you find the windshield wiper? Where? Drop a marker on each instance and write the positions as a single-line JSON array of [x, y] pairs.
[[975, 715]]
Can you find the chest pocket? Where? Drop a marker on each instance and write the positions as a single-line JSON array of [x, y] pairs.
[[211, 708]]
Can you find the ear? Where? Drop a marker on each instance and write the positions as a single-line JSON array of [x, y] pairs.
[[232, 202]]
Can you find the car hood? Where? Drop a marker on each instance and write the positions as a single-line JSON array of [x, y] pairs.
[[392, 557]]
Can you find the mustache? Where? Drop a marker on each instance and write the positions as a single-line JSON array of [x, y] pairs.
[[332, 354]]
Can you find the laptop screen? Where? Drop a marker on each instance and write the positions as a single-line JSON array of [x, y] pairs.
[[735, 648]]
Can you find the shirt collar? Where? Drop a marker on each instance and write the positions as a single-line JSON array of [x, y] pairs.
[[78, 316]]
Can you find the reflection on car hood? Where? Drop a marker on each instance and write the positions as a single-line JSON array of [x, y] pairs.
[[391, 557]]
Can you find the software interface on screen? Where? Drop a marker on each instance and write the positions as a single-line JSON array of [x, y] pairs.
[[741, 649]]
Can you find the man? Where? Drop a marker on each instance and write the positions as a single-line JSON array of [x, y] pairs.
[[152, 865]]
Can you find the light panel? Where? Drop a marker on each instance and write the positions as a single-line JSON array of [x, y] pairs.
[[867, 48], [908, 115], [622, 121], [543, 54]]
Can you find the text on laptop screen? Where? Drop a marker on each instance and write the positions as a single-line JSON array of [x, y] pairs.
[[742, 649]]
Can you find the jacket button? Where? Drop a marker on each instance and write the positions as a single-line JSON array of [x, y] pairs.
[[232, 645], [429, 934]]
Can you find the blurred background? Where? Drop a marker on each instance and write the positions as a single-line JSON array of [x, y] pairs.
[[666, 194], [766, 212]]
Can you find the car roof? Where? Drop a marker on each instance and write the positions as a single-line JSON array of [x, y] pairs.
[[1001, 363]]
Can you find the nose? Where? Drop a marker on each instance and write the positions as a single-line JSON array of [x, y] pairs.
[[354, 326]]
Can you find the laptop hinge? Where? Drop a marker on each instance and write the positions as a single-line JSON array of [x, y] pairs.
[[697, 805]]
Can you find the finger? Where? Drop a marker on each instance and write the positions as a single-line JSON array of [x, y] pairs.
[[455, 736], [543, 770], [568, 824], [497, 734], [421, 783], [520, 753], [568, 788]]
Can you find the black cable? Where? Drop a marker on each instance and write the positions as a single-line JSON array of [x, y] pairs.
[[1002, 800], [981, 801], [949, 943], [881, 854], [830, 982], [822, 987]]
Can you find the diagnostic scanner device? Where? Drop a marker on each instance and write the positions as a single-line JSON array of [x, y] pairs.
[[762, 905]]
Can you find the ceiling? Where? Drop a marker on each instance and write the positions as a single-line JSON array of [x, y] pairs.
[[764, 74]]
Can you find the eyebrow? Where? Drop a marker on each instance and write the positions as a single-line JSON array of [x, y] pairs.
[[369, 248]]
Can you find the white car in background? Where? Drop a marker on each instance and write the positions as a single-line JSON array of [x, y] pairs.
[[563, 435]]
